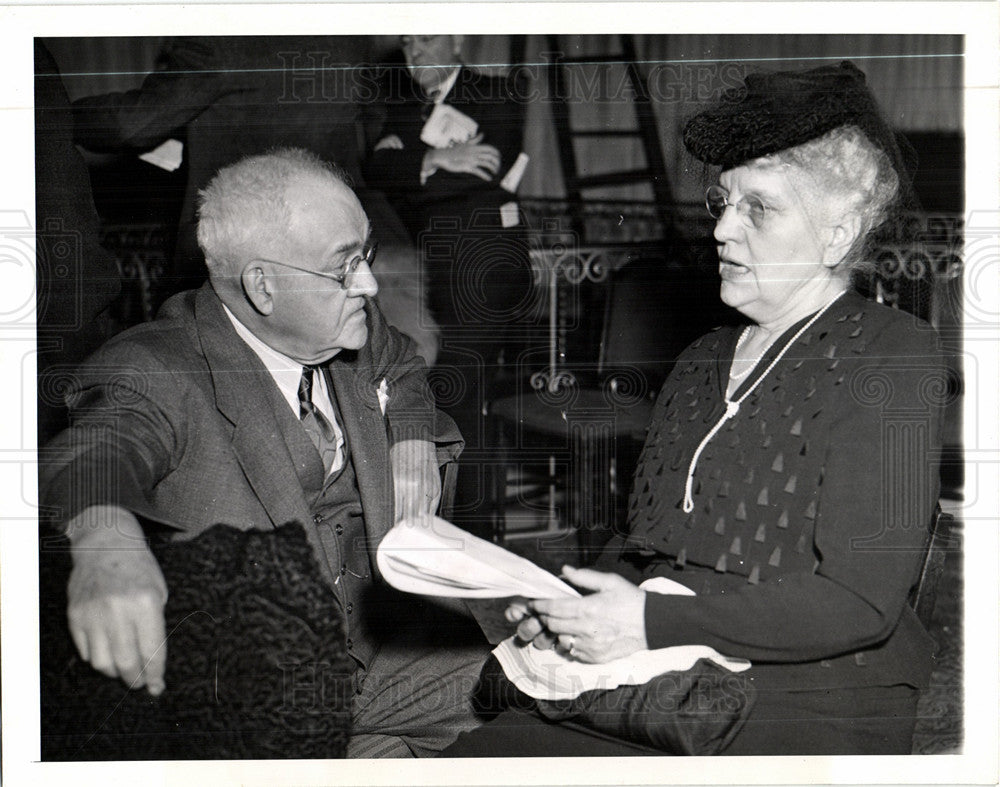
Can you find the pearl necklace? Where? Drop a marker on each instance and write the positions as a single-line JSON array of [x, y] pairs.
[[733, 407], [739, 343]]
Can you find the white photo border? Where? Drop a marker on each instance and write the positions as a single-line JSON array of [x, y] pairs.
[[976, 21]]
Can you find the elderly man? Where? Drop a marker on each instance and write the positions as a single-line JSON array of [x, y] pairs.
[[275, 393]]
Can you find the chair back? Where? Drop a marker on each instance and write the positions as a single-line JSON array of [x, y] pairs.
[[652, 312]]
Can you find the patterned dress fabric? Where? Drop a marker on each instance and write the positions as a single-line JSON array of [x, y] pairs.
[[812, 504]]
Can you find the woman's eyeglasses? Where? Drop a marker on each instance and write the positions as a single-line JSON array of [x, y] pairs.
[[367, 256], [750, 208]]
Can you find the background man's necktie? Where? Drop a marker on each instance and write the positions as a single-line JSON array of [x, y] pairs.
[[316, 425]]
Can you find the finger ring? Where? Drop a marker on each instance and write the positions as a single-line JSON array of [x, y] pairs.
[[572, 646]]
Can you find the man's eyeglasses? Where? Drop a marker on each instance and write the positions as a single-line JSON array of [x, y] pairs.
[[367, 256], [750, 208]]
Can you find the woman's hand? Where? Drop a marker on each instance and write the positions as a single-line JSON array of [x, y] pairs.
[[529, 628], [472, 157], [606, 625]]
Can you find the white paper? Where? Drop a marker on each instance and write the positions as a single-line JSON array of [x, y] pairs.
[[446, 126], [513, 177], [391, 142], [430, 556], [167, 156], [510, 215]]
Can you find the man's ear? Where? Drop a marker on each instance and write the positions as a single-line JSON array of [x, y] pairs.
[[257, 288], [842, 239]]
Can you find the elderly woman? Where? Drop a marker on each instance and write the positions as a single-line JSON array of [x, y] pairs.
[[789, 475]]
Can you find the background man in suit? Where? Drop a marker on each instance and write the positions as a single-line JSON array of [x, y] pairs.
[[275, 393], [232, 96], [445, 156]]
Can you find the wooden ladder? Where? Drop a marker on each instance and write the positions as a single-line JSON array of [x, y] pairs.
[[644, 129]]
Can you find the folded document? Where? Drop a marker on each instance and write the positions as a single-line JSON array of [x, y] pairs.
[[446, 126], [430, 556], [550, 674]]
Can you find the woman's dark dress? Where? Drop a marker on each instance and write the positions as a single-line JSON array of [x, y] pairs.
[[812, 509]]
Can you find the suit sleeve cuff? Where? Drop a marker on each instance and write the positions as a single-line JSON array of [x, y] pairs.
[[78, 486]]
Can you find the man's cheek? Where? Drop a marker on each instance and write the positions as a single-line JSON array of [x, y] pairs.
[[355, 336]]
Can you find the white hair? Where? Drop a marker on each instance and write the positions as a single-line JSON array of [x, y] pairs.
[[853, 176], [244, 205]]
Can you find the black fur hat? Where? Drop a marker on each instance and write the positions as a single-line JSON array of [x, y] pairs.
[[774, 111]]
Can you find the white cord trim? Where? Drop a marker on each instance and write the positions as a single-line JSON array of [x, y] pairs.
[[733, 407]]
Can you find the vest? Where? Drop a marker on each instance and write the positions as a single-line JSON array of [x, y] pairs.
[[340, 526], [339, 536]]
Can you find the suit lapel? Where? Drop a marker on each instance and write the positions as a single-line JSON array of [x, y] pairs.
[[243, 395], [366, 434], [466, 93]]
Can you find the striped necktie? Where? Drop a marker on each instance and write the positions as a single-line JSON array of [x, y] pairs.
[[429, 102], [315, 423]]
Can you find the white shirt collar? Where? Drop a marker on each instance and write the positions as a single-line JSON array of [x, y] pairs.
[[285, 371], [445, 87]]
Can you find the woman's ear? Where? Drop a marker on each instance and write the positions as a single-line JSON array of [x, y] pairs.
[[256, 287], [456, 45], [843, 237]]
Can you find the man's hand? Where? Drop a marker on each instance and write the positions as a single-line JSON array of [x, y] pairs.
[[472, 157], [606, 625], [416, 479], [116, 596]]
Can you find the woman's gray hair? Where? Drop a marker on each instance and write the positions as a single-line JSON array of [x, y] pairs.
[[244, 206], [856, 176]]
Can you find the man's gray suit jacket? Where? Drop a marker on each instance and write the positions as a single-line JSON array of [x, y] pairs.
[[178, 421]]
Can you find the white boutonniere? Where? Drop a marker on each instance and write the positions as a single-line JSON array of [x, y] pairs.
[[383, 395]]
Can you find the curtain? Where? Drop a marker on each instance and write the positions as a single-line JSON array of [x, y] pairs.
[[916, 79], [94, 66]]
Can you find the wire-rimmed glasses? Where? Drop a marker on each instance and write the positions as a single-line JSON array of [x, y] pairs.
[[750, 208], [367, 256]]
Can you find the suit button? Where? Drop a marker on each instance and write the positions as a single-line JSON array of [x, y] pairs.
[[317, 519], [343, 569], [350, 608], [339, 530], [350, 643]]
